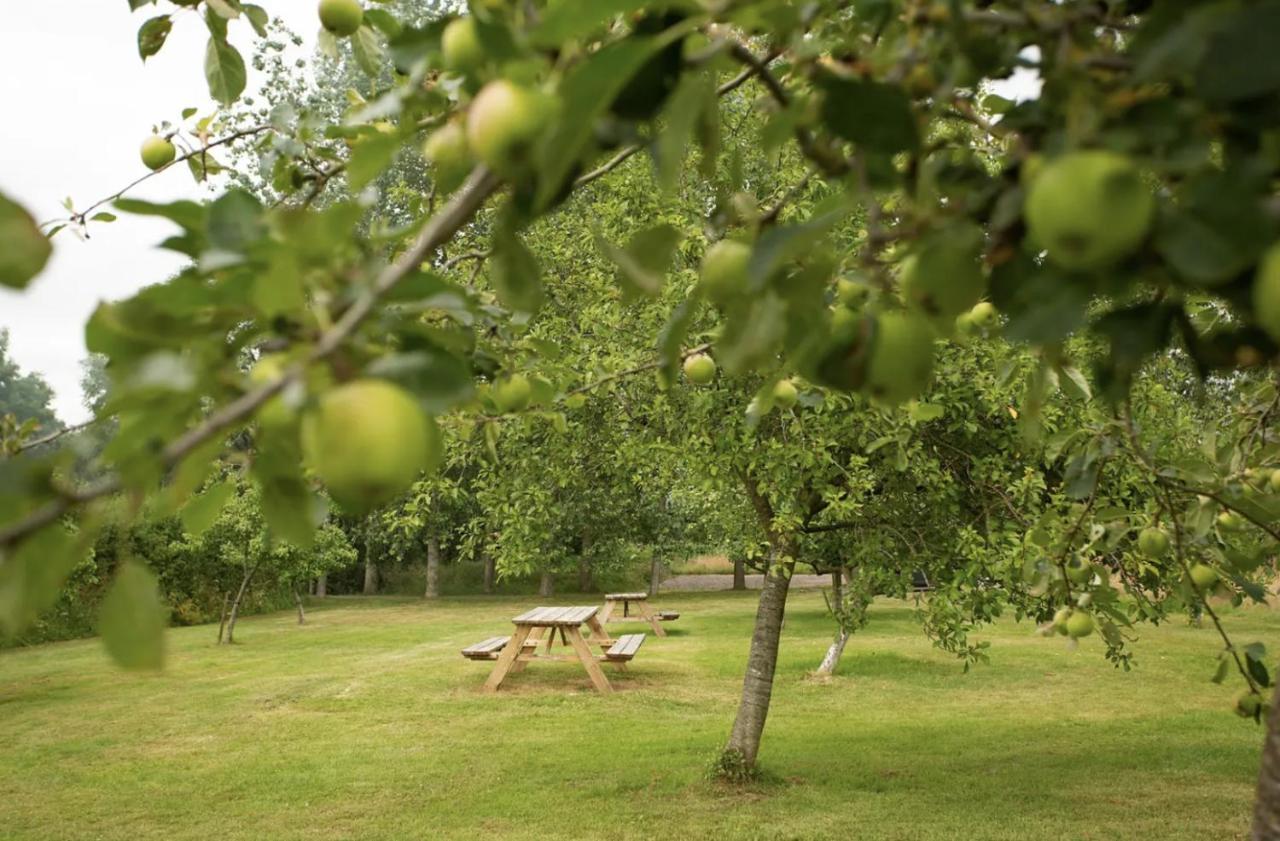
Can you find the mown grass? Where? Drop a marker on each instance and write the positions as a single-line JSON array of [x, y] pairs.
[[703, 565], [366, 723]]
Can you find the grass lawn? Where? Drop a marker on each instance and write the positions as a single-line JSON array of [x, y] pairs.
[[367, 724]]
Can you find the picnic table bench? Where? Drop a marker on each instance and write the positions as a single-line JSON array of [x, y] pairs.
[[542, 625], [646, 613]]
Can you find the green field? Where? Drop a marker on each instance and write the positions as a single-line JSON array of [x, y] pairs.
[[366, 723]]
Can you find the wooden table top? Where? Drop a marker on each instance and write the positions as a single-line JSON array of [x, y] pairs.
[[628, 597], [554, 617]]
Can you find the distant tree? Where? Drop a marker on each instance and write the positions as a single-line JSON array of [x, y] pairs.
[[24, 396]]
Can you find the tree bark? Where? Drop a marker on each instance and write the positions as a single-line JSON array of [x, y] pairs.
[[490, 571], [757, 684], [1266, 809], [322, 585], [370, 575], [433, 568], [235, 605], [739, 574], [832, 658], [222, 620], [546, 584], [297, 598], [655, 576]]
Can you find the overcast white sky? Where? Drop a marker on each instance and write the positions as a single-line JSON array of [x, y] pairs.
[[79, 102]]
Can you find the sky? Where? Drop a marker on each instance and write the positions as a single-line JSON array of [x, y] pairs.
[[72, 72], [71, 68]]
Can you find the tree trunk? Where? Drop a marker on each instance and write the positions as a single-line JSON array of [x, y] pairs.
[[297, 598], [1266, 809], [222, 620], [490, 571], [235, 605], [370, 575], [433, 568], [322, 585], [739, 574], [584, 562], [832, 658], [546, 584], [757, 685], [655, 576]]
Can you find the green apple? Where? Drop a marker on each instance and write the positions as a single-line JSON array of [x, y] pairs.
[[368, 441], [341, 17], [1153, 542], [460, 44], [157, 151], [1273, 482], [1079, 625], [984, 314], [1078, 570], [1088, 210], [901, 358], [785, 394], [513, 393], [275, 413], [944, 277], [447, 149], [1230, 521], [1266, 292], [724, 270], [700, 369], [1060, 620], [503, 123], [1204, 576]]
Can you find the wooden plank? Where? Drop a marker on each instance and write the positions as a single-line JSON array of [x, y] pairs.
[[631, 597], [647, 612], [626, 647], [589, 663], [507, 659], [532, 616], [668, 615], [486, 649]]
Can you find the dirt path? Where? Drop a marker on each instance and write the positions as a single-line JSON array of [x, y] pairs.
[[725, 582]]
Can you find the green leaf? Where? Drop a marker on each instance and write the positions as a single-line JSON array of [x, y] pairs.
[[573, 19], [132, 619], [515, 274], [201, 512], [439, 379], [925, 412], [188, 215], [1079, 384], [646, 259], [224, 70], [278, 290], [585, 94], [289, 507], [258, 18], [235, 221], [372, 154], [384, 22], [1220, 673], [32, 576], [23, 249], [1242, 61], [152, 35], [104, 216], [224, 8], [875, 115], [693, 96], [368, 51]]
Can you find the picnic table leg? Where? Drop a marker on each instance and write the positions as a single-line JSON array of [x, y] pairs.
[[588, 660], [507, 658], [647, 613], [519, 665], [599, 636], [607, 611]]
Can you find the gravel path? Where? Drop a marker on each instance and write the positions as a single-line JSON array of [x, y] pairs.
[[688, 583]]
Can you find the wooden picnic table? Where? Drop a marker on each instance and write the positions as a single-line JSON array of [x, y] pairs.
[[542, 625], [646, 613]]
